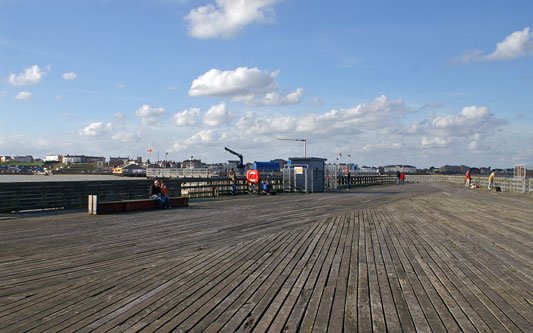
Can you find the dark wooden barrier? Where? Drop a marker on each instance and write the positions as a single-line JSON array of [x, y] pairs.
[[73, 194]]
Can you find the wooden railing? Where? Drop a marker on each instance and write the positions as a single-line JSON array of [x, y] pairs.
[[506, 184], [73, 194]]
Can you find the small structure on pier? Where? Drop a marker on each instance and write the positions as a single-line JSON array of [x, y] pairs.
[[304, 174]]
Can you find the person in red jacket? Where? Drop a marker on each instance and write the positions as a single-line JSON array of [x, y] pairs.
[[402, 178], [164, 194], [468, 178]]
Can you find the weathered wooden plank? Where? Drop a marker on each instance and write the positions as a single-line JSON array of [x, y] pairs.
[[310, 317], [364, 319], [500, 298], [325, 310], [244, 315], [417, 314], [295, 318], [389, 308], [167, 284], [300, 243], [336, 322], [350, 309], [401, 307], [304, 266]]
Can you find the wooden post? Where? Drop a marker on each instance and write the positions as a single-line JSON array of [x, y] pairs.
[[93, 204]]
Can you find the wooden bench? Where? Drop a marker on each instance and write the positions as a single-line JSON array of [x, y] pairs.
[[98, 208]]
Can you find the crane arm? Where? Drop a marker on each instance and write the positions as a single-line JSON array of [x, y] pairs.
[[237, 154]]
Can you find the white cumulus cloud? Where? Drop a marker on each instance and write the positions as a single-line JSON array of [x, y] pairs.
[[226, 18], [242, 81], [275, 98], [31, 75], [69, 76], [461, 129], [516, 45], [148, 114], [250, 86], [186, 117], [217, 115], [96, 128], [23, 95], [126, 137]]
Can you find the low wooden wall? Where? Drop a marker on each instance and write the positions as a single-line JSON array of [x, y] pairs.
[[74, 194]]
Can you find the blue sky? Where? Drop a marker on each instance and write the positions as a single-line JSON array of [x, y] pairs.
[[415, 82]]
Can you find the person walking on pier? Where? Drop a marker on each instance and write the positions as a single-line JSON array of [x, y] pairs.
[[347, 180], [402, 178], [491, 180], [467, 178], [233, 179], [398, 175]]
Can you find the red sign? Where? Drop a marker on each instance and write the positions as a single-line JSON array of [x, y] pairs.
[[252, 176], [149, 150]]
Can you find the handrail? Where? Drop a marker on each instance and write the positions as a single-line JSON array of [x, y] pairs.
[[519, 185]]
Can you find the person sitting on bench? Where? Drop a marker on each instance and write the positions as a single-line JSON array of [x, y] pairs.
[[155, 193], [265, 188], [164, 194]]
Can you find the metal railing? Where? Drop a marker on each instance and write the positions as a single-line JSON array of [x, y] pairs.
[[180, 173], [506, 184], [219, 186], [360, 180]]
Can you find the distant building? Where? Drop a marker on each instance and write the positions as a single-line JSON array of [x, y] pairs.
[[398, 167], [232, 164], [23, 159], [73, 159], [281, 162], [118, 161], [6, 158], [454, 169], [368, 170], [484, 170], [192, 164], [53, 158]]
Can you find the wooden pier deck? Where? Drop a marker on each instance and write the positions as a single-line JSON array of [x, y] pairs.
[[419, 257]]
